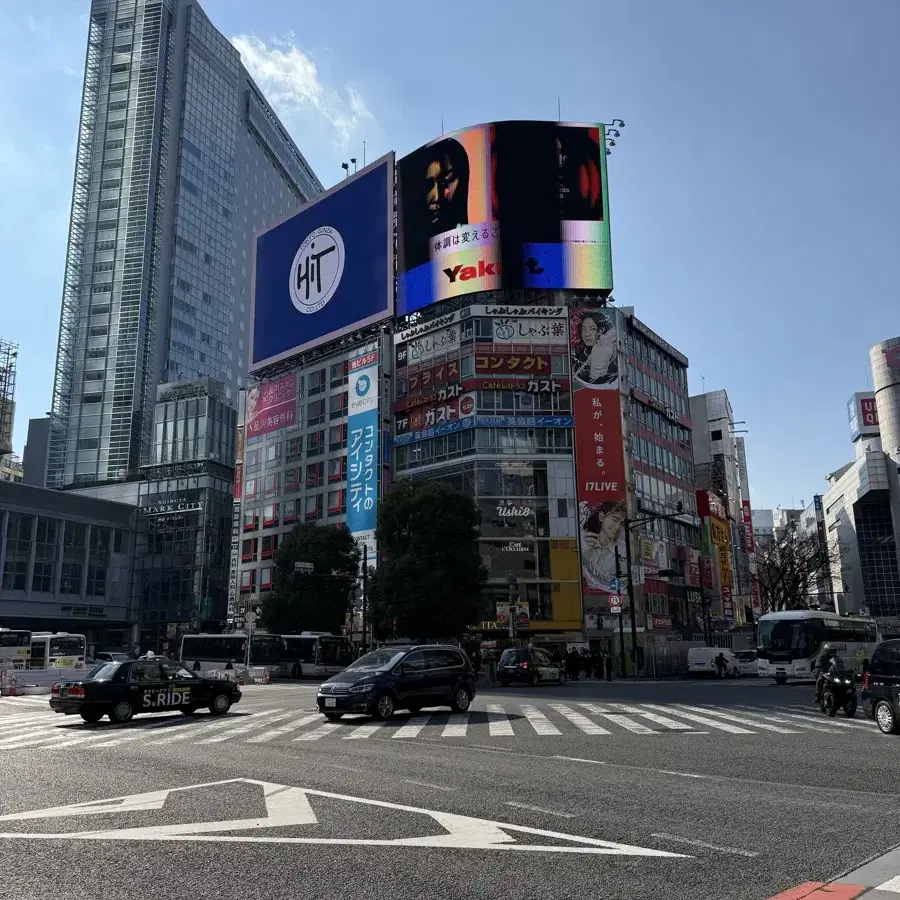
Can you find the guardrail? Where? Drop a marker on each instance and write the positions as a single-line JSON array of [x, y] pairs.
[[35, 681]]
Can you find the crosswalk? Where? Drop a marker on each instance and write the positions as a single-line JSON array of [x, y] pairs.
[[33, 728]]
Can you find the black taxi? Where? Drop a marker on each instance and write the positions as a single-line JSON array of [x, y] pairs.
[[121, 690]]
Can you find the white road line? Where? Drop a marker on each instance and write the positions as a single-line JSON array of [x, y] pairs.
[[26, 738], [361, 732], [27, 717], [24, 701], [428, 784], [740, 720], [853, 726], [320, 732], [540, 809], [243, 729], [189, 729], [785, 721], [578, 720], [498, 722], [106, 740], [538, 721], [694, 843], [665, 721], [457, 727], [703, 720], [412, 728], [616, 719], [267, 736], [595, 762], [890, 887], [14, 730]]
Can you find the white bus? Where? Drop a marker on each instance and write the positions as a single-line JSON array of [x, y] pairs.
[[59, 650], [787, 642], [202, 652], [314, 653], [15, 648]]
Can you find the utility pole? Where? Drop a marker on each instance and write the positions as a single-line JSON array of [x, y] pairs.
[[365, 598], [621, 615], [630, 583]]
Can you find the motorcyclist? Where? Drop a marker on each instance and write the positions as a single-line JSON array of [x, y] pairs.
[[824, 660]]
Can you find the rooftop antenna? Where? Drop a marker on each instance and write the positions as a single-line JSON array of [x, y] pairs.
[[558, 111], [703, 379], [442, 124], [364, 154]]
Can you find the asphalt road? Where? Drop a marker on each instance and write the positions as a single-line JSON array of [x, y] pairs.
[[712, 790]]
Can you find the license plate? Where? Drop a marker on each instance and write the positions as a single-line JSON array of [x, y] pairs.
[[330, 701], [63, 692]]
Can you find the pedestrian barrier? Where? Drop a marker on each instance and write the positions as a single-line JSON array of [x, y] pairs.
[[19, 682]]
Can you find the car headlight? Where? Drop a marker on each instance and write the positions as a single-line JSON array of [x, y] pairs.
[[361, 688]]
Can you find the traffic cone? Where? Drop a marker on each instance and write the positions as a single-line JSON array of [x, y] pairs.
[[12, 688], [268, 678]]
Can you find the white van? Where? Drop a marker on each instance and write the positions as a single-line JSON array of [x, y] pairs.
[[702, 661]]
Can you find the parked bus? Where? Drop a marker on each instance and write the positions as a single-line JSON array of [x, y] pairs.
[[201, 652], [314, 653], [788, 642], [15, 648], [57, 651]]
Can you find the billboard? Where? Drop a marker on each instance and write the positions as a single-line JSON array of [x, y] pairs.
[[503, 205], [271, 405], [327, 270], [862, 412], [363, 459], [600, 488]]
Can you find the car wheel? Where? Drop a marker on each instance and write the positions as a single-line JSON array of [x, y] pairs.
[[383, 708], [220, 705], [91, 715], [296, 672], [461, 701], [122, 712], [781, 679], [504, 683], [561, 678], [885, 718], [333, 716], [188, 710], [535, 680]]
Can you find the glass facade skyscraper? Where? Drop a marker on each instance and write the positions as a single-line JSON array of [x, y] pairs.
[[179, 161]]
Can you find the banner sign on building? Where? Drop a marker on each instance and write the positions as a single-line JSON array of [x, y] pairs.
[[505, 205], [435, 343], [327, 270], [862, 412], [512, 363], [529, 331], [600, 488], [272, 405], [748, 526], [363, 457]]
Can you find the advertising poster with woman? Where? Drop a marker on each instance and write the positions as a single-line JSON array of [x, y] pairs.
[[599, 455]]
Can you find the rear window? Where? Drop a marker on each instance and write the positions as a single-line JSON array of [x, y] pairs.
[[442, 659], [104, 672], [884, 659], [513, 655]]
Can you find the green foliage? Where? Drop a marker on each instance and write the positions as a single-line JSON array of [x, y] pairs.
[[430, 575], [317, 602]]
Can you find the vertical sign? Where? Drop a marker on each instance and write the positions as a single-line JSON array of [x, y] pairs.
[[599, 454], [363, 461], [234, 564]]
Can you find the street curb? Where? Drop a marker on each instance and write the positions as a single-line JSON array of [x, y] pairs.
[[881, 870]]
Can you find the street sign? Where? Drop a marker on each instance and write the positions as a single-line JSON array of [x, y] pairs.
[[303, 568], [615, 603], [250, 619]]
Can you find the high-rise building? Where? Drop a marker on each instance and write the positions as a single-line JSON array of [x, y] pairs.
[[8, 355], [179, 160]]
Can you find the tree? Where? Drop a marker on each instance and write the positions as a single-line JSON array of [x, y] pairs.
[[793, 568], [430, 575], [317, 601]]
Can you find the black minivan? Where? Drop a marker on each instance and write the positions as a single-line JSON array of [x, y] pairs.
[[393, 678], [881, 687]]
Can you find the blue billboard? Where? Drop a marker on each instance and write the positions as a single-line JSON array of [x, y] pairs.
[[327, 270], [363, 458]]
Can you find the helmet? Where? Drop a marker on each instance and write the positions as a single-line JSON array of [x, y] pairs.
[[829, 649]]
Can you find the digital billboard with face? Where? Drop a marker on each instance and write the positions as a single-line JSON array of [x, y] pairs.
[[327, 270], [503, 205]]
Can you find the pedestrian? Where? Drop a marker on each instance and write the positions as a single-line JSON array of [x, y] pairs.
[[491, 657], [597, 665], [476, 663], [572, 664], [720, 665], [607, 665]]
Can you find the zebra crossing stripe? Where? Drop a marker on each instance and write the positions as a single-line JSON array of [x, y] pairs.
[[28, 717], [243, 729], [578, 720], [770, 718], [267, 736], [412, 728], [498, 723], [740, 720], [190, 729], [320, 732], [831, 722], [104, 739], [703, 720], [538, 721], [457, 727], [617, 719], [364, 731], [24, 738], [657, 719]]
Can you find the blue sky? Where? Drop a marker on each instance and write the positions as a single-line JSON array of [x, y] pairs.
[[754, 191]]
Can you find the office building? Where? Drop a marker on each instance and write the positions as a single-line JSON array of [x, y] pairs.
[[34, 459], [11, 468], [179, 160]]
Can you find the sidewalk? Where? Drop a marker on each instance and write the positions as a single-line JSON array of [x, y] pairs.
[[876, 880]]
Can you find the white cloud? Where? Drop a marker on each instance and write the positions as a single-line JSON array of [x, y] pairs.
[[293, 84]]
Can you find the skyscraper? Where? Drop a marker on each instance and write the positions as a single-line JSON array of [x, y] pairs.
[[179, 160]]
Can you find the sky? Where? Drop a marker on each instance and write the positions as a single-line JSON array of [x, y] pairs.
[[753, 192]]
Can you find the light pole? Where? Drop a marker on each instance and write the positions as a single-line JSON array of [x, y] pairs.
[[513, 584]]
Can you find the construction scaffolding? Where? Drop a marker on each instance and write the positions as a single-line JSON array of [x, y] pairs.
[[9, 353]]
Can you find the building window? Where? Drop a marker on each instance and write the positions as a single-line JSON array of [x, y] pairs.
[[292, 479], [313, 507], [248, 550], [270, 515], [273, 452], [270, 484], [315, 382], [314, 474], [248, 580], [269, 546], [337, 405], [293, 449], [316, 444], [265, 578], [250, 488], [96, 581], [315, 412], [250, 519], [290, 512], [338, 374], [70, 578], [336, 502], [337, 465], [337, 437], [716, 435]]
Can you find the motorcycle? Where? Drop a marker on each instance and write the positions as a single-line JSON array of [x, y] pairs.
[[839, 691]]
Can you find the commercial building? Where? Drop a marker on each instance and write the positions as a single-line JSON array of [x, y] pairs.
[[34, 459], [8, 355], [66, 564], [862, 503], [11, 468], [179, 160]]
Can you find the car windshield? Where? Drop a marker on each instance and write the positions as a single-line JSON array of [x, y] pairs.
[[746, 655], [116, 657], [103, 672], [377, 659], [512, 655]]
